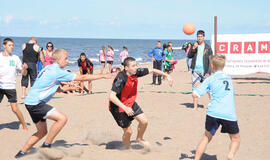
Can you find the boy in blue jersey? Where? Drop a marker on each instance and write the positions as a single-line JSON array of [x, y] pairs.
[[221, 109], [47, 83]]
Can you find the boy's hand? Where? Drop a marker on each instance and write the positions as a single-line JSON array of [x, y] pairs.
[[152, 59], [195, 45], [197, 85], [207, 75], [128, 111]]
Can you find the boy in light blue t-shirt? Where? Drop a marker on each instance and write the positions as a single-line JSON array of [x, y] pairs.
[[221, 110], [47, 83]]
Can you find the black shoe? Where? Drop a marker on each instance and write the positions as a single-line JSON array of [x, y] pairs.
[[45, 145], [153, 83], [20, 154]]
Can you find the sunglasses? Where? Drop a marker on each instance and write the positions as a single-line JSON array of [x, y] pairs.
[[49, 46]]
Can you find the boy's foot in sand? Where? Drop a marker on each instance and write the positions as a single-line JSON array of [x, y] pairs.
[[230, 157], [20, 154], [45, 145], [145, 144]]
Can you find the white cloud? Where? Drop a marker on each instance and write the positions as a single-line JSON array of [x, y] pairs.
[[8, 19], [43, 22]]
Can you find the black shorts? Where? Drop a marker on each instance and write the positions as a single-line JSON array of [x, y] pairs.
[[102, 61], [10, 93], [212, 124], [39, 111], [168, 68], [85, 71], [110, 62], [122, 119]]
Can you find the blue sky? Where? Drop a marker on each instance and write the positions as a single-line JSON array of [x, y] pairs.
[[144, 19]]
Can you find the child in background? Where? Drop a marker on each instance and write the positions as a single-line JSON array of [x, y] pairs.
[[110, 57], [123, 55], [86, 67], [102, 58]]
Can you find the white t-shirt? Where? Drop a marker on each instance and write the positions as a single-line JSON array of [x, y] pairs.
[[9, 66]]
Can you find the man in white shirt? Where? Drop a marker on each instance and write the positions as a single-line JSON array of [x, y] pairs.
[[9, 65]]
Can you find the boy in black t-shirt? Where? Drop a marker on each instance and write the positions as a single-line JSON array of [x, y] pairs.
[[122, 100], [86, 67]]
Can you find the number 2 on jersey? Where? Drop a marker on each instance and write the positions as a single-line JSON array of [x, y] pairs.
[[227, 85]]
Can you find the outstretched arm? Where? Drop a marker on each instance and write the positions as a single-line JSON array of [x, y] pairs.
[[156, 71], [92, 77]]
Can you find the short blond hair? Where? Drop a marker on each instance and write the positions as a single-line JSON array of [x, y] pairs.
[[218, 61], [58, 53]]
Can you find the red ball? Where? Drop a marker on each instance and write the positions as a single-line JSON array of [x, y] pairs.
[[189, 28]]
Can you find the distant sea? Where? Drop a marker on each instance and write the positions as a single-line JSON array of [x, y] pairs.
[[137, 48]]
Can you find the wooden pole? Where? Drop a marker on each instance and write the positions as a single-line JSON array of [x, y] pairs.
[[215, 35]]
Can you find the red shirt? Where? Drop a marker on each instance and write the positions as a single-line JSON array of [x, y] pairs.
[[126, 87]]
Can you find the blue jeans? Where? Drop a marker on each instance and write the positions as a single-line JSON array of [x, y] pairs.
[[189, 60]]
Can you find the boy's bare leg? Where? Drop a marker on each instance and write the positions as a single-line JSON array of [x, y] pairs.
[[207, 137], [143, 122], [82, 86], [195, 102], [19, 115], [60, 120], [41, 132], [90, 86], [126, 136], [234, 146], [23, 92]]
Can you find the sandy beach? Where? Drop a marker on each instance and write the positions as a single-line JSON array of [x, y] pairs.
[[174, 127]]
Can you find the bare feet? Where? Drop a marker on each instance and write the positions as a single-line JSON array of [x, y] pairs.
[[230, 157], [25, 128], [145, 144]]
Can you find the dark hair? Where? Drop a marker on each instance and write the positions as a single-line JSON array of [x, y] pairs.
[[48, 44], [200, 32], [109, 46], [82, 54], [7, 40], [164, 46], [127, 60], [158, 42], [124, 47]]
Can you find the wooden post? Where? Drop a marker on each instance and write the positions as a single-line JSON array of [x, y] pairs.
[[215, 35]]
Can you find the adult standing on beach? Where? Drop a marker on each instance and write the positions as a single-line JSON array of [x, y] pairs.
[[110, 58], [200, 53], [102, 58], [31, 53], [48, 60], [157, 56]]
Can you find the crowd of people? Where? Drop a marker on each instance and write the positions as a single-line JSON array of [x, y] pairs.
[[50, 77]]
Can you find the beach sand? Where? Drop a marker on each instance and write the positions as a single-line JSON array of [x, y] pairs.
[[174, 128]]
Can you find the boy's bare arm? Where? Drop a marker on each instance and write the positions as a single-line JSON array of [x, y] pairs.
[[92, 77], [159, 72], [116, 101]]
